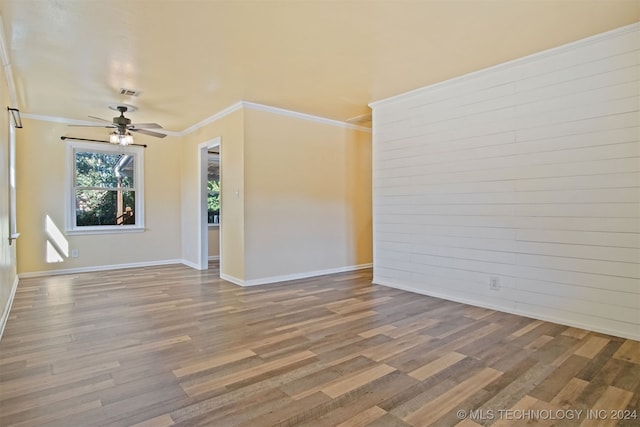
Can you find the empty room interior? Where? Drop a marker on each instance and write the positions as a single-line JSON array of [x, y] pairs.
[[320, 213]]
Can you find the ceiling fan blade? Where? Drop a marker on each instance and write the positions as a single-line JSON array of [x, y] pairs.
[[98, 118], [94, 126], [146, 126], [148, 132]]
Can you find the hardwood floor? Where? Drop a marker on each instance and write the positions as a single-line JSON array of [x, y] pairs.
[[165, 346]]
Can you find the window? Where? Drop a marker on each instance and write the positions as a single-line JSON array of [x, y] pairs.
[[106, 191], [213, 189], [13, 231]]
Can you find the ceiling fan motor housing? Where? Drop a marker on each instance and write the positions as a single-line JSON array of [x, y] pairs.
[[121, 121]]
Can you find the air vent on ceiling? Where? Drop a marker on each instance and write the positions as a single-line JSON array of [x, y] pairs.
[[129, 92]]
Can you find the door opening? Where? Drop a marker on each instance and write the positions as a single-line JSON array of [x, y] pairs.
[[209, 202]]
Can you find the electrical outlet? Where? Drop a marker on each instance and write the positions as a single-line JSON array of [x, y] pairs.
[[494, 283], [74, 253]]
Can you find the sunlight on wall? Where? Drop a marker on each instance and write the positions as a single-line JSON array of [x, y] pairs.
[[52, 254], [57, 244]]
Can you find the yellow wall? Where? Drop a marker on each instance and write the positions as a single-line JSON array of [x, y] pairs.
[[41, 165], [308, 196], [7, 252], [231, 131], [295, 198]]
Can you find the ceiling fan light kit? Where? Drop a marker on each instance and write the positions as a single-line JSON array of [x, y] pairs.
[[123, 127], [116, 137]]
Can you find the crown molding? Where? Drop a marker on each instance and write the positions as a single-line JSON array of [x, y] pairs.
[[303, 116], [54, 119], [67, 121], [215, 117], [274, 110], [513, 63]]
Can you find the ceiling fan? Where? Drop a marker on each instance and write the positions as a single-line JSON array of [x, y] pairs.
[[123, 126]]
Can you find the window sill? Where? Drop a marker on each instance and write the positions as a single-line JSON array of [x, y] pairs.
[[213, 225], [104, 230]]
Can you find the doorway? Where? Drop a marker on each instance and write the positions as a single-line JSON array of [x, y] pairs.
[[206, 151]]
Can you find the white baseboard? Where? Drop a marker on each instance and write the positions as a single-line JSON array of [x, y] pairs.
[[232, 279], [98, 268], [190, 264], [296, 276], [7, 306], [526, 313], [214, 257]]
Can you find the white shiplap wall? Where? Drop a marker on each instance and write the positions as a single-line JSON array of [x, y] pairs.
[[528, 172]]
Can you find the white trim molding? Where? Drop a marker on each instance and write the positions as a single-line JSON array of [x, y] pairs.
[[303, 116], [215, 117], [190, 264], [99, 268], [214, 257], [232, 279], [67, 121], [274, 110], [7, 307], [296, 276]]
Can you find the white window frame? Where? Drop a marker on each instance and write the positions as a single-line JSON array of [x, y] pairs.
[[13, 228], [138, 184]]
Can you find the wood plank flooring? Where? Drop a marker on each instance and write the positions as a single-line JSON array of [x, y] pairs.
[[172, 346]]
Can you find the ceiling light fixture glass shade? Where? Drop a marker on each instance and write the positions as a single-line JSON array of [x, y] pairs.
[[126, 139], [116, 137], [113, 137]]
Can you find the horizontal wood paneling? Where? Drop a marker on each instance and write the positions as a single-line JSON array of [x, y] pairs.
[[528, 172]]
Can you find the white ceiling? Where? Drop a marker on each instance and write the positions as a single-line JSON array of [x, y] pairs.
[[193, 58]]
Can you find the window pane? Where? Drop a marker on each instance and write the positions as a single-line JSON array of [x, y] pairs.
[[94, 169], [105, 207], [213, 202], [213, 187]]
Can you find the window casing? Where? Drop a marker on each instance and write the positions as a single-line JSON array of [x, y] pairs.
[[13, 230], [105, 188]]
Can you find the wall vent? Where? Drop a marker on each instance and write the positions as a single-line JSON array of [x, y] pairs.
[[129, 92]]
